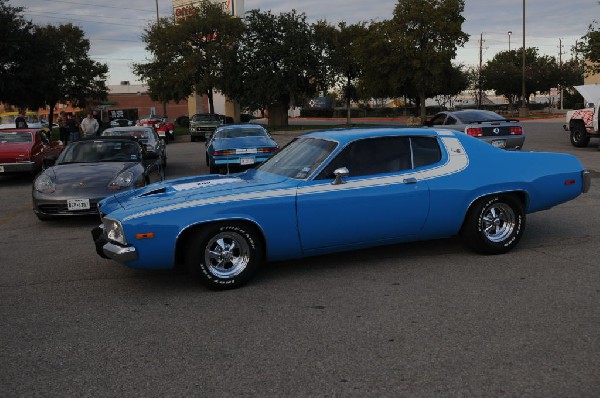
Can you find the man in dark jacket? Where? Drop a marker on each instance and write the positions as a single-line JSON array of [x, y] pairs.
[[20, 121]]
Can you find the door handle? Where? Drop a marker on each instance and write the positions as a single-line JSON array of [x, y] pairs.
[[411, 180]]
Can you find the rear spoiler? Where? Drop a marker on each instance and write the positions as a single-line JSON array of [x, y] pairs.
[[494, 121]]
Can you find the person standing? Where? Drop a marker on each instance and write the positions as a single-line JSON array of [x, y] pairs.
[[89, 126], [99, 120], [20, 121], [63, 128], [73, 128]]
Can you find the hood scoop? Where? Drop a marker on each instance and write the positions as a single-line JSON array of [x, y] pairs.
[[154, 192]]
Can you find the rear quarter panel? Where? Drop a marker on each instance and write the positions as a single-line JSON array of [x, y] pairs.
[[541, 177]]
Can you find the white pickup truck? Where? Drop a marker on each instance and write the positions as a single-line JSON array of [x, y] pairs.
[[583, 123]]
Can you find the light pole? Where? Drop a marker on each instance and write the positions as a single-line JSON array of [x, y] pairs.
[[509, 34], [523, 109]]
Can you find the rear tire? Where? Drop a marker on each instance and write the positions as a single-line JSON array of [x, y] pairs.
[[213, 168], [494, 224], [225, 255], [579, 136]]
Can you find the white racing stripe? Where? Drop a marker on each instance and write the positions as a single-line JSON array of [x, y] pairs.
[[456, 162], [205, 183]]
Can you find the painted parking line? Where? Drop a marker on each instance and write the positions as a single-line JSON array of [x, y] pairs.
[[10, 217]]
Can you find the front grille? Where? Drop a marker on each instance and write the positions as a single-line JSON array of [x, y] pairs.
[[61, 208]]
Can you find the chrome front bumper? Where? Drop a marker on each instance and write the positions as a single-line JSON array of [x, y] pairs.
[[17, 167], [111, 251]]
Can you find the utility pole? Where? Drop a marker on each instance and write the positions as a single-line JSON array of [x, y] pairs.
[[523, 111], [560, 68], [479, 100]]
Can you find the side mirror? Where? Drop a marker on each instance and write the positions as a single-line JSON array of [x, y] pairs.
[[428, 123], [340, 174]]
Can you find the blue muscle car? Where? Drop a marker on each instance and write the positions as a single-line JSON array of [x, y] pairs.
[[239, 145], [337, 190]]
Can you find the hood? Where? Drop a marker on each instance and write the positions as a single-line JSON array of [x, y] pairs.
[[589, 92], [242, 143], [94, 176], [205, 187], [9, 151]]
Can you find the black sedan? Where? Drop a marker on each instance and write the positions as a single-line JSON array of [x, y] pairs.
[[90, 170], [485, 125]]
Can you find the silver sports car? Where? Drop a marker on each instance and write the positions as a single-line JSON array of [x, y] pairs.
[[486, 125], [90, 170]]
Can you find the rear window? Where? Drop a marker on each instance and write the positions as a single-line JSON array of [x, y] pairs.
[[15, 137], [479, 116]]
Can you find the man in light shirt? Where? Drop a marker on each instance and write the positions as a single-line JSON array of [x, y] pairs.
[[89, 126]]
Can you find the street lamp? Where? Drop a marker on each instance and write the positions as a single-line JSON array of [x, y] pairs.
[[523, 109], [509, 34]]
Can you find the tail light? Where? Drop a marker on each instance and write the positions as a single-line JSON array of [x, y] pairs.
[[267, 150], [516, 130], [475, 131], [224, 152]]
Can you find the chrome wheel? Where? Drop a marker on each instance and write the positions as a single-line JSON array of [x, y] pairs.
[[227, 254], [498, 222]]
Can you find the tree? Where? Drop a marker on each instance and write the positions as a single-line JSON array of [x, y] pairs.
[[67, 73], [589, 47], [44, 65], [340, 47], [15, 47], [278, 64], [192, 55], [424, 36], [504, 72]]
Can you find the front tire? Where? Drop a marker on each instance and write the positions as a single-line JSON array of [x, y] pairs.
[[579, 136], [225, 255], [494, 224]]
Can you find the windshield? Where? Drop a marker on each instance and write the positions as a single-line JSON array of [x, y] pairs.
[[241, 132], [7, 137], [299, 158], [143, 135], [100, 151], [206, 118], [10, 119]]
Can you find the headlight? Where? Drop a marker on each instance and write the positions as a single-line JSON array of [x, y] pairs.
[[123, 180], [114, 231], [44, 184]]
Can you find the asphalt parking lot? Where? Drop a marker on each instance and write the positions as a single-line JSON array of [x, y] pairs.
[[413, 320]]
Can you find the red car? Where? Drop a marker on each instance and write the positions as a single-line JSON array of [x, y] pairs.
[[24, 150], [162, 125]]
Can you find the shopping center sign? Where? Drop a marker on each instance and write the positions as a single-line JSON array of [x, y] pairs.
[[183, 9]]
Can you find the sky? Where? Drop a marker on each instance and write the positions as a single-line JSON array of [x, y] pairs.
[[115, 27]]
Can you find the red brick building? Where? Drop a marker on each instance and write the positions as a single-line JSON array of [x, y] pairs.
[[125, 100]]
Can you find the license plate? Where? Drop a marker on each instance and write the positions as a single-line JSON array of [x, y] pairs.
[[1, 169], [499, 143], [78, 204], [246, 161]]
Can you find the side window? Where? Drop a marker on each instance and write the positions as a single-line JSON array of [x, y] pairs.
[[371, 156], [426, 150], [450, 120], [438, 119]]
